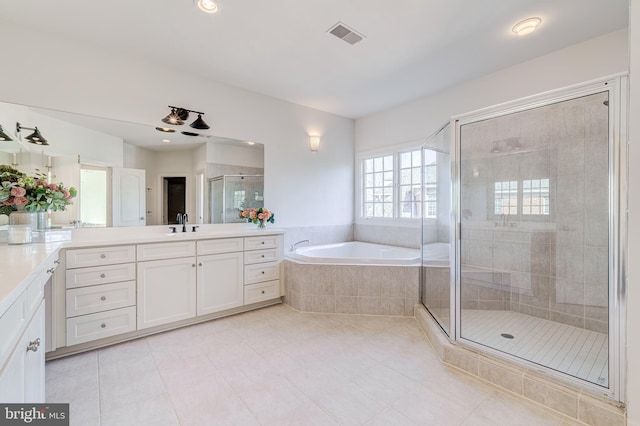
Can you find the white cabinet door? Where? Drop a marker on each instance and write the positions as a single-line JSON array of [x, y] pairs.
[[166, 291], [129, 197], [220, 284], [34, 338], [22, 379]]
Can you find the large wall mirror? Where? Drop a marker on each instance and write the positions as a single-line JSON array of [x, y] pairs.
[[130, 174]]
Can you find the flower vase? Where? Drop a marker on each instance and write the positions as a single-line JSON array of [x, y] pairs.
[[261, 224], [21, 227], [43, 220]]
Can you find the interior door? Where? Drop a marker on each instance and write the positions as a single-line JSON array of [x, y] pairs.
[[129, 197]]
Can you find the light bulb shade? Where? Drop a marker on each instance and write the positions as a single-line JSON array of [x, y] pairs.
[[527, 26], [183, 114], [199, 124], [37, 138], [173, 118], [208, 6], [314, 143], [4, 136]]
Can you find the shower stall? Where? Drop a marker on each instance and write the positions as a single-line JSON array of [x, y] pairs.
[[534, 219], [229, 194]]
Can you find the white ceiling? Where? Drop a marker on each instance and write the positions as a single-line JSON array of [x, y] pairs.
[[281, 48]]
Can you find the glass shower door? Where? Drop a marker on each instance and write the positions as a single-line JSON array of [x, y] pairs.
[[534, 243]]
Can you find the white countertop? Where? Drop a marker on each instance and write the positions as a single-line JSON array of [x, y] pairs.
[[21, 263]]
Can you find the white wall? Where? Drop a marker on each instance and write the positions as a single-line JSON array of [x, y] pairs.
[[633, 267], [234, 155], [90, 80], [592, 59]]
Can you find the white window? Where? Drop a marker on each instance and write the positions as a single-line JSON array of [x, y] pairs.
[[378, 179], [535, 197], [390, 192], [506, 198], [527, 197]]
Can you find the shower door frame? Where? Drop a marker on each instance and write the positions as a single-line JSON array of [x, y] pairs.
[[617, 86]]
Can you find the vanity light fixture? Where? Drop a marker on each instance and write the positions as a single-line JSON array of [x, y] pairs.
[[166, 140], [35, 137], [4, 136], [527, 26], [177, 117], [314, 143], [207, 6]]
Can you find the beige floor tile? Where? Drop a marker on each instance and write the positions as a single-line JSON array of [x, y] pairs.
[[277, 366], [503, 410], [153, 411], [389, 417], [348, 404]]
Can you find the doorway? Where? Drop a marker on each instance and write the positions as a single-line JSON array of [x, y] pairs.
[[173, 198]]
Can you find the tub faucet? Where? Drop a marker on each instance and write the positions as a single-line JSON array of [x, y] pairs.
[[293, 246]]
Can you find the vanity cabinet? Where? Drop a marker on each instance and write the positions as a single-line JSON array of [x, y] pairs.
[[219, 275], [100, 293], [261, 268], [167, 284], [115, 293], [22, 343]]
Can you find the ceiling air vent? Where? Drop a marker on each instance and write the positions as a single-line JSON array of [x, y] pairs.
[[345, 33]]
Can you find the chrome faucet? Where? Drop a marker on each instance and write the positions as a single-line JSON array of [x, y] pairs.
[[293, 246], [185, 219]]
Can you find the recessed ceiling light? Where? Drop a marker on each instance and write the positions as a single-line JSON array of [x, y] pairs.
[[166, 140], [250, 143], [208, 6], [527, 26], [165, 129]]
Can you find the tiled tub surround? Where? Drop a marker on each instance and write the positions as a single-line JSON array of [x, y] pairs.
[[351, 289], [572, 401]]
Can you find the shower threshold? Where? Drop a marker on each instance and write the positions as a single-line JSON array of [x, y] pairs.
[[574, 351]]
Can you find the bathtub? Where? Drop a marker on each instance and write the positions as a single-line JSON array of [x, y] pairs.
[[353, 278], [355, 253]]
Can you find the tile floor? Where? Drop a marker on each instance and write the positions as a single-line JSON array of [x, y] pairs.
[[277, 366]]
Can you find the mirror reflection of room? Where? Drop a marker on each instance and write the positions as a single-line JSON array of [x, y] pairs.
[[129, 174]]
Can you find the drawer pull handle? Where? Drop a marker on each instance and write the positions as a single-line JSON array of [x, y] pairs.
[[200, 264], [103, 256], [193, 265], [262, 291], [33, 346], [263, 272], [263, 255], [102, 275], [103, 325], [262, 243], [103, 298], [57, 262], [50, 271]]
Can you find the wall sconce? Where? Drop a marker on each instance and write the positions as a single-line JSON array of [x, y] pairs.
[[314, 143], [177, 117], [4, 136], [35, 137]]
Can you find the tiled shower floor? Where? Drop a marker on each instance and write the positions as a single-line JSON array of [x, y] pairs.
[[572, 350], [277, 366]]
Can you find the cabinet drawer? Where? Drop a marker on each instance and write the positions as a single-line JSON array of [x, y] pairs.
[[257, 243], [12, 323], [259, 292], [98, 298], [103, 324], [261, 272], [166, 250], [80, 258], [100, 275], [223, 245], [260, 256]]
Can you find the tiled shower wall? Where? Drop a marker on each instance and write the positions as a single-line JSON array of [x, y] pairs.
[[553, 266]]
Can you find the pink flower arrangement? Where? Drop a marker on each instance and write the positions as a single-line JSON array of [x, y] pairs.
[[258, 216], [33, 194]]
